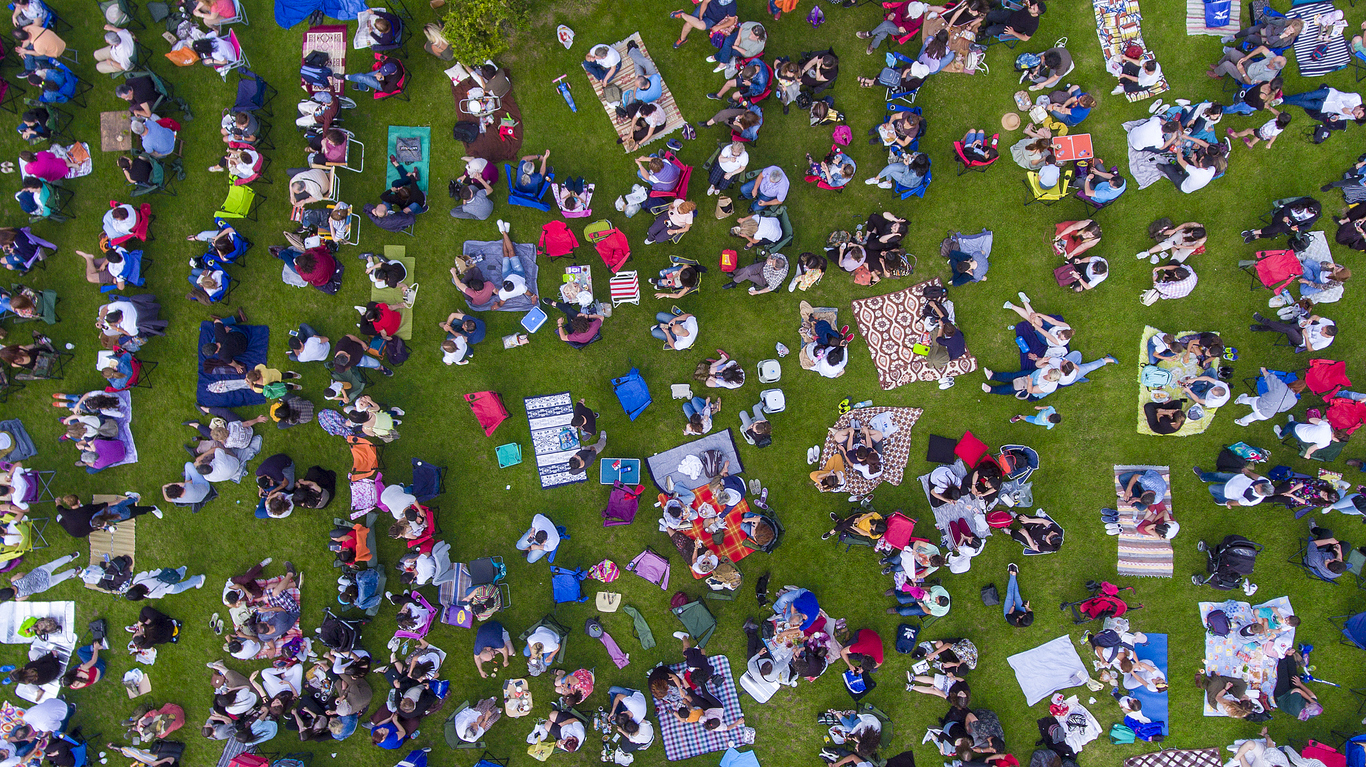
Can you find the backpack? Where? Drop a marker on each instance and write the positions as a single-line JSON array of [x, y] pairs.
[[396, 351], [465, 131], [1027, 61], [317, 59], [990, 596], [1155, 377], [906, 635], [677, 600], [712, 461], [1321, 133]]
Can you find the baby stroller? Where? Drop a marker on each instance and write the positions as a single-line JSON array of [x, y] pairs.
[[1229, 563], [1103, 603], [339, 634]]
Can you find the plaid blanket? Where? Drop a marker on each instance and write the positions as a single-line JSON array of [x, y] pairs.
[[896, 448], [1174, 392], [1234, 657], [1142, 555], [625, 79], [1191, 757], [240, 618], [733, 546], [683, 740], [1118, 24], [891, 324]]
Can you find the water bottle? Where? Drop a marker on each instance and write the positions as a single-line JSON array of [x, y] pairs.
[[865, 403]]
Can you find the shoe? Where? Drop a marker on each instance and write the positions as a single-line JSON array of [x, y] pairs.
[[711, 59], [669, 483], [400, 411], [1118, 90], [813, 454], [157, 512], [1198, 471], [386, 371], [946, 383], [1157, 107], [1112, 529], [888, 569], [1248, 236], [754, 486], [1012, 569], [827, 535], [891, 593], [1277, 431], [713, 97], [1016, 418], [719, 68], [873, 180], [749, 626], [1142, 254], [1023, 298], [680, 635]]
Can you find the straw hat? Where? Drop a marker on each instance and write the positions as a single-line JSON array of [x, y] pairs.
[[1010, 121]]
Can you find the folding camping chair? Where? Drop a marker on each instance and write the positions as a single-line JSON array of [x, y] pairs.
[[697, 620], [254, 94], [127, 13], [452, 735], [918, 190], [345, 163], [1034, 193], [1353, 628], [1327, 454], [661, 198], [770, 519], [58, 198], [563, 633], [624, 287], [240, 202], [158, 182], [239, 62], [966, 165], [566, 584], [488, 408], [610, 242], [241, 15], [1298, 559], [400, 88], [1274, 270], [51, 366], [166, 98], [632, 393], [785, 224], [524, 198]]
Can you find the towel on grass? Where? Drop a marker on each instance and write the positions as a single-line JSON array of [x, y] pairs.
[[1048, 668], [394, 296], [1316, 57], [1238, 658]]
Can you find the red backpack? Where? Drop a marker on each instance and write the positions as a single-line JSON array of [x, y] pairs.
[[556, 240]]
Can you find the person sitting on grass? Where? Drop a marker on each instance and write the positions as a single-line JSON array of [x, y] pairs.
[[1071, 106], [1137, 75], [907, 170], [755, 229]]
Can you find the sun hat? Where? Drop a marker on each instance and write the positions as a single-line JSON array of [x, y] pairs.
[[1010, 121]]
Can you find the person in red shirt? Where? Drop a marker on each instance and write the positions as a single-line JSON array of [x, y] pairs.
[[576, 328], [867, 644], [379, 319], [315, 266]]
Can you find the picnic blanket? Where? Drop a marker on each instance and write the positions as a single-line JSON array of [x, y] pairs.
[[13, 615], [625, 78], [896, 445], [11, 717], [1334, 55], [125, 422], [330, 39], [1048, 668], [489, 145], [960, 43], [1154, 703], [23, 443], [1118, 24], [1142, 555], [1173, 392], [420, 169], [966, 508], [892, 326], [62, 645], [816, 314], [123, 541], [488, 256], [240, 616], [239, 395], [553, 440], [1143, 163], [394, 296], [732, 545], [1195, 19], [1176, 757], [665, 464], [1249, 660], [684, 740]]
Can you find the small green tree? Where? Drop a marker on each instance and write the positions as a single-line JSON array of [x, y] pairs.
[[479, 29]]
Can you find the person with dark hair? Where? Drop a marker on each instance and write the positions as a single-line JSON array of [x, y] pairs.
[[576, 328], [1312, 332], [162, 582], [540, 539], [140, 93], [153, 628], [39, 579], [563, 729], [1016, 608], [573, 688], [1141, 489], [1019, 23], [683, 276], [475, 202], [1294, 217], [1329, 105], [90, 669], [228, 344]]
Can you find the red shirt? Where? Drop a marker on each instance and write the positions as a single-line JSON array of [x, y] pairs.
[[867, 642], [388, 320]]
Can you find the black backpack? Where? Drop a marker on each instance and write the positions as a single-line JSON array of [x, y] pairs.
[[466, 131], [396, 351]]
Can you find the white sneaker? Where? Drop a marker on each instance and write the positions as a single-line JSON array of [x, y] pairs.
[[1156, 107], [873, 180], [1118, 90], [1142, 254], [711, 59], [680, 635], [1023, 298], [157, 512], [884, 184], [719, 68], [1182, 102], [946, 383], [502, 225], [1154, 258]]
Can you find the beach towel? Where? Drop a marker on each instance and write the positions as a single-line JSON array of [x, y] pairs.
[[1143, 163], [1142, 555], [23, 443], [1048, 668], [487, 255], [553, 440], [491, 145], [896, 447], [892, 325], [330, 39], [1118, 25], [1198, 23], [666, 464], [1173, 392], [14, 614], [105, 545], [1192, 757], [1253, 661], [684, 740], [1335, 54], [236, 393], [1154, 703], [394, 296], [625, 78], [420, 168]]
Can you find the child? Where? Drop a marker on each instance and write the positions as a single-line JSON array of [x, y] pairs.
[[1267, 132], [1047, 417]]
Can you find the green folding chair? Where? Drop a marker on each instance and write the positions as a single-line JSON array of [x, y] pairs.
[[453, 738], [241, 202], [697, 620]]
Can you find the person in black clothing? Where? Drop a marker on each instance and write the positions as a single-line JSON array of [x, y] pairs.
[[316, 489], [1165, 417], [1020, 24], [404, 195], [153, 628], [140, 93], [384, 31], [80, 520], [227, 345], [33, 124], [136, 169], [350, 352], [1352, 228], [1294, 217]]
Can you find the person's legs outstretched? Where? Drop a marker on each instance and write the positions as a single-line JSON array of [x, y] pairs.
[[1013, 600]]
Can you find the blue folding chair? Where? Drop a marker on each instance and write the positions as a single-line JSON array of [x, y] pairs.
[[632, 393], [919, 190], [523, 199], [566, 584]]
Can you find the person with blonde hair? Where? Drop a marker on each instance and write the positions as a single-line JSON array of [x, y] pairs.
[[672, 222]]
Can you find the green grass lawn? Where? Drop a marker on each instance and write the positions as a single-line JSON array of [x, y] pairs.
[[480, 518]]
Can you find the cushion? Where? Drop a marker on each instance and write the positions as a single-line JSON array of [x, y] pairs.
[[940, 450], [970, 449]]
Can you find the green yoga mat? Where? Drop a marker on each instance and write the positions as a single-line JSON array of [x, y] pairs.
[[394, 296], [420, 169]]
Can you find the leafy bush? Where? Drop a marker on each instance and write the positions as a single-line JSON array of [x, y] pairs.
[[479, 29]]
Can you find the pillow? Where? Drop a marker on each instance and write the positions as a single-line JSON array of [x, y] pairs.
[[971, 449], [940, 450]]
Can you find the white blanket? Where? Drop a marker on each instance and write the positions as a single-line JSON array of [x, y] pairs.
[[13, 615], [1048, 668]]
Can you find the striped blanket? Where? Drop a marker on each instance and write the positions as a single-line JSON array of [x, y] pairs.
[[553, 440], [1118, 24], [625, 79], [1142, 555], [1332, 53]]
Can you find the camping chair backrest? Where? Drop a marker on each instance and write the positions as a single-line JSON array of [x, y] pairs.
[[598, 230], [632, 393], [557, 239], [566, 584], [621, 506], [238, 202], [775, 526], [488, 409], [697, 620]]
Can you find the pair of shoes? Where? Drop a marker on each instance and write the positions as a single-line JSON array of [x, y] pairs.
[[813, 454], [1248, 236], [946, 383], [1012, 569], [1112, 529], [503, 226]]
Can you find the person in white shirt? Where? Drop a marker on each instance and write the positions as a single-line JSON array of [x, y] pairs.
[[1153, 134], [117, 53], [758, 230], [730, 163], [1316, 434], [602, 62], [1313, 332], [155, 584], [1328, 104], [308, 345], [48, 716], [471, 722], [1231, 490], [1189, 177], [540, 539], [120, 221], [218, 464]]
